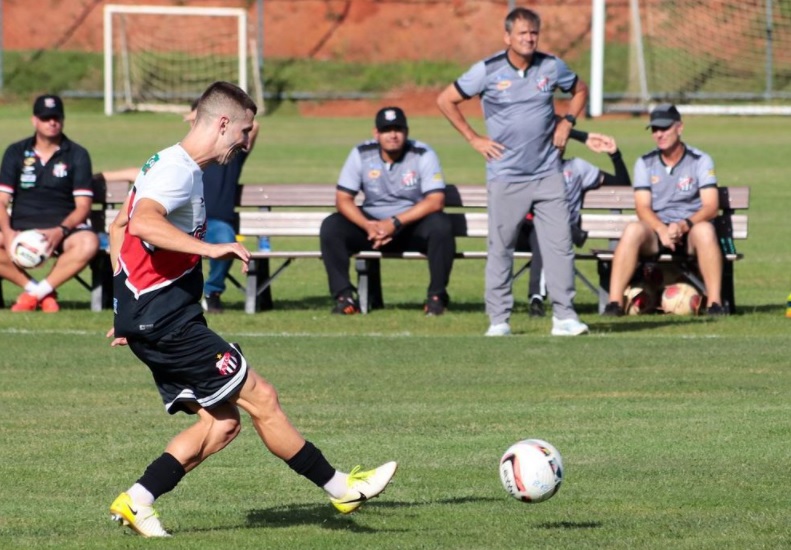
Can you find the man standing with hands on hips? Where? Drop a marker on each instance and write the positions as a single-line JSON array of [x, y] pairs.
[[523, 169]]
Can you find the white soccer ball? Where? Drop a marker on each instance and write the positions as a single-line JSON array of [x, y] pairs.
[[681, 299], [531, 470], [640, 299], [29, 249]]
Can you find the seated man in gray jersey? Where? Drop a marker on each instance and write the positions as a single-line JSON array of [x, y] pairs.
[[403, 210], [676, 197], [580, 176]]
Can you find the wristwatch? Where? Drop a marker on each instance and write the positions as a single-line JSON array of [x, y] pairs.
[[396, 223], [66, 231], [572, 119]]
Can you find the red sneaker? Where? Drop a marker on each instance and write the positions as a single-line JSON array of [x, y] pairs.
[[49, 303], [25, 302]]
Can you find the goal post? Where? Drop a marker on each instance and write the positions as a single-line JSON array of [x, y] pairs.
[[707, 56], [161, 58]]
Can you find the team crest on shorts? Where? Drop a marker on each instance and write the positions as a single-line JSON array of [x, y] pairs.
[[228, 363]]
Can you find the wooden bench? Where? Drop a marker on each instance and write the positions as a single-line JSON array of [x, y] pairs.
[[298, 210], [731, 225], [107, 198], [285, 210]]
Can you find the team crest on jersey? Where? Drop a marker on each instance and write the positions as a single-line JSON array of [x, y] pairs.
[[409, 179], [685, 184], [200, 232], [503, 85], [568, 175], [542, 85], [227, 363], [655, 180], [60, 170], [150, 164], [374, 173]]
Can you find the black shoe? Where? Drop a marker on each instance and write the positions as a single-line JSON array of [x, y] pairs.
[[213, 303], [345, 304], [435, 305], [613, 309], [716, 310], [536, 308]]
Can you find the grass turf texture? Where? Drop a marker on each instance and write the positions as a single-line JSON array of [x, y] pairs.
[[673, 431]]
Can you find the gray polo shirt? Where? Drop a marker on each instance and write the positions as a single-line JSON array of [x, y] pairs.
[[391, 188], [579, 176], [675, 193], [520, 112]]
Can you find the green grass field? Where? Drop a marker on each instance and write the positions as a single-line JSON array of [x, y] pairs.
[[674, 432]]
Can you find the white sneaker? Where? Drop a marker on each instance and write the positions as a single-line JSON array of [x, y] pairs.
[[364, 486], [500, 329], [568, 327], [142, 519]]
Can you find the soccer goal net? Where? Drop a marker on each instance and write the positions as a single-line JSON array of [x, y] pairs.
[[162, 58], [708, 56]]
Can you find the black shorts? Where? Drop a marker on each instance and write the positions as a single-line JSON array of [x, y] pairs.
[[681, 248], [193, 365]]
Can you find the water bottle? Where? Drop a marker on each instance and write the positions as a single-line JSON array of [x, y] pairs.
[[263, 244], [788, 307], [104, 241]]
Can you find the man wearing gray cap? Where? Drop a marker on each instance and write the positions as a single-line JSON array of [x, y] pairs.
[[403, 210], [676, 197], [47, 180]]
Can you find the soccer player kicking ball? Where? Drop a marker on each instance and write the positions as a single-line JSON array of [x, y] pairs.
[[156, 247]]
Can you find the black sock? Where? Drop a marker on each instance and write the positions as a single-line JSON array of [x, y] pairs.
[[309, 462], [162, 475]]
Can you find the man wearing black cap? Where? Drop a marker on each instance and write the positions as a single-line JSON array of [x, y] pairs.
[[403, 210], [48, 178], [676, 198]]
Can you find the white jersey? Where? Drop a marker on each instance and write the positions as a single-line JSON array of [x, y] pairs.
[[175, 181], [155, 289]]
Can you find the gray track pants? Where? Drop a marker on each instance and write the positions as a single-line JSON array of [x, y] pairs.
[[508, 204]]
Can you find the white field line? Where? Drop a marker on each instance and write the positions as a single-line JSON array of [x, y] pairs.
[[594, 334]]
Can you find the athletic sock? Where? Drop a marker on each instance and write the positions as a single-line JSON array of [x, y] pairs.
[[30, 286], [310, 462], [338, 485], [42, 289], [162, 475], [141, 495]]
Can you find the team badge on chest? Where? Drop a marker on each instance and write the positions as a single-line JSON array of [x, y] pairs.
[[60, 170], [409, 179]]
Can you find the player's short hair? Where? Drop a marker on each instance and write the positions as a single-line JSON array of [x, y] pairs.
[[525, 14], [224, 96]]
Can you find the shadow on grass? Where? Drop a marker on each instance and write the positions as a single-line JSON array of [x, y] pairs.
[[327, 518], [570, 525]]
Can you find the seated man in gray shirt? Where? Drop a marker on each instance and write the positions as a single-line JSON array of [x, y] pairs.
[[403, 210], [676, 197]]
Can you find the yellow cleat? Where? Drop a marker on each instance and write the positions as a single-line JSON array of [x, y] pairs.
[[364, 486], [143, 520]]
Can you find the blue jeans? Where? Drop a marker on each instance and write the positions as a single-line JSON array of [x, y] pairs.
[[218, 232]]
